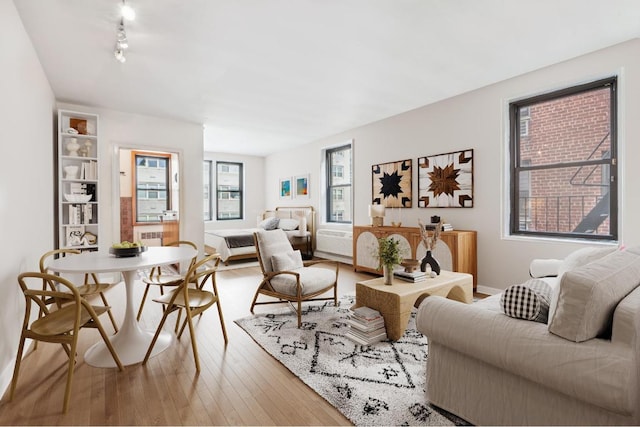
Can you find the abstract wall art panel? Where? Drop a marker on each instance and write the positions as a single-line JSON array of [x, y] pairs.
[[446, 180], [391, 184]]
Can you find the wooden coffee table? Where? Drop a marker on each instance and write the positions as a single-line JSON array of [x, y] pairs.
[[395, 302]]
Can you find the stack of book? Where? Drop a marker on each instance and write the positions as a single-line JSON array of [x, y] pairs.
[[445, 227], [414, 276], [366, 326]]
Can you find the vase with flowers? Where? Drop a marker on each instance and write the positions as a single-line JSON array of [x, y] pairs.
[[388, 257], [430, 240]]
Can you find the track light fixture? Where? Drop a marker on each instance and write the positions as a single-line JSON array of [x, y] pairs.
[[122, 43]]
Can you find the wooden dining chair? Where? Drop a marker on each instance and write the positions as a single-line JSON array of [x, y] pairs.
[[64, 311], [194, 300], [90, 286], [161, 279]]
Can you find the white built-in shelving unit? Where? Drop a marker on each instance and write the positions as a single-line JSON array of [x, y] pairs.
[[77, 180]]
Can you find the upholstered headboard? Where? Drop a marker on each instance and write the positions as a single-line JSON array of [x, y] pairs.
[[296, 212]]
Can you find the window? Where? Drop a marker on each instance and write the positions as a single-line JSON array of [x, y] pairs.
[[563, 167], [208, 202], [229, 189], [338, 163], [152, 186]]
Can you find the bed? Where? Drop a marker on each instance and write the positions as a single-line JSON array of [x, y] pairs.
[[236, 244]]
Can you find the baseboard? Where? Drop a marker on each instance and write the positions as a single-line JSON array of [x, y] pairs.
[[487, 290]]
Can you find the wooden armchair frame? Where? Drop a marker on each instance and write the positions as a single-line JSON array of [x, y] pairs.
[[266, 288]]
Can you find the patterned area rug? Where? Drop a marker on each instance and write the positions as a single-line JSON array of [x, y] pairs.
[[380, 384]]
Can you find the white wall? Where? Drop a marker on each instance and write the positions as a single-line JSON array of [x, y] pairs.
[[27, 114], [125, 130], [254, 197], [477, 120]]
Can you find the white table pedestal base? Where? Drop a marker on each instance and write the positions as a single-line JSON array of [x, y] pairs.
[[131, 342]]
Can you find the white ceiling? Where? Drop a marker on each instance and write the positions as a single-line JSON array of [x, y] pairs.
[[263, 75]]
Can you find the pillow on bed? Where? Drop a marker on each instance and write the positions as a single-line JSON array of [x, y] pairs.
[[288, 224], [269, 223], [287, 261]]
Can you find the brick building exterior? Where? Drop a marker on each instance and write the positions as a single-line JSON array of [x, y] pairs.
[[564, 130]]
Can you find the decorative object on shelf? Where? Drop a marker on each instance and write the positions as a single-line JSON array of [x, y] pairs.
[[446, 180], [71, 131], [376, 213], [77, 198], [72, 146], [391, 184], [86, 150], [74, 235], [430, 241], [302, 186], [70, 172], [78, 124], [388, 257], [91, 238], [285, 188]]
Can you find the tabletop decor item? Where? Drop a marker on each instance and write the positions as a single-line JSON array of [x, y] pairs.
[[430, 241], [72, 147], [127, 249], [388, 257]]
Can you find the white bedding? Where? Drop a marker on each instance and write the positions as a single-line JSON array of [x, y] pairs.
[[215, 238]]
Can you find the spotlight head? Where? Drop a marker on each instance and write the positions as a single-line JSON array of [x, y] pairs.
[[127, 12], [119, 54]]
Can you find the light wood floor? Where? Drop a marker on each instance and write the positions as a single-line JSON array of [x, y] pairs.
[[239, 384]]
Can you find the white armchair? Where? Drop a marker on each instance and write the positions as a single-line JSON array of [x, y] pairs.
[[289, 279]]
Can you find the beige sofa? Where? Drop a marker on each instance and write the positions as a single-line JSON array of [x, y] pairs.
[[491, 369]]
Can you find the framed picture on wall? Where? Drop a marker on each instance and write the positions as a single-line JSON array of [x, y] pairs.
[[446, 180], [302, 186], [391, 184], [285, 188]]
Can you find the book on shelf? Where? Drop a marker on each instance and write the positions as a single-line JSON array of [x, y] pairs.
[[74, 235]]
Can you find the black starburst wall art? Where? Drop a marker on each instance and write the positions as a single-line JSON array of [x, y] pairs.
[[391, 184], [446, 180]]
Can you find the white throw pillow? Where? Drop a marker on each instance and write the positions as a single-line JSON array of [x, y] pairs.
[[288, 224], [574, 260], [269, 223], [287, 261]]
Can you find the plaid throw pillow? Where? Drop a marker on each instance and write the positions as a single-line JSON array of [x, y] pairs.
[[528, 301]]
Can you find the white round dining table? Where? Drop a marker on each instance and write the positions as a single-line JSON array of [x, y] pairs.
[[131, 341]]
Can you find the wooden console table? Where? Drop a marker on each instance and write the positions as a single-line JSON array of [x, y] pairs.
[[455, 251]]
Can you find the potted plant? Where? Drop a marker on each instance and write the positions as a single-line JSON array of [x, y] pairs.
[[388, 257]]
